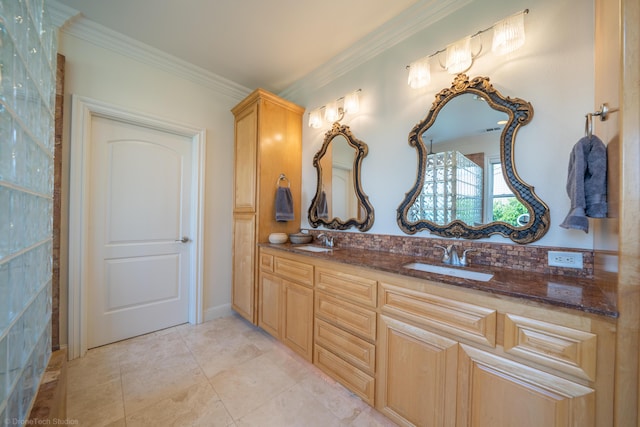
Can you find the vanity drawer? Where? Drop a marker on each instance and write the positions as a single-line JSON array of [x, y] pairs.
[[266, 262], [475, 323], [558, 347], [347, 286], [346, 374], [355, 319], [355, 350], [293, 270]]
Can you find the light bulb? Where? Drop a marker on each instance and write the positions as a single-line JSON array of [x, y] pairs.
[[331, 112], [352, 102], [315, 119], [459, 56], [508, 34], [419, 73]]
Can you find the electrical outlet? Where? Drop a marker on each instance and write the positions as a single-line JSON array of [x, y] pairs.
[[565, 259]]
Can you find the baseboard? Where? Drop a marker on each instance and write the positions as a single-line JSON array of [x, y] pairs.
[[218, 311]]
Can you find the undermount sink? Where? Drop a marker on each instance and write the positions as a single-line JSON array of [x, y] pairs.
[[450, 271], [312, 248]]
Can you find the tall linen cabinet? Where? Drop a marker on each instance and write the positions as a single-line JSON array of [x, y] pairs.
[[268, 143]]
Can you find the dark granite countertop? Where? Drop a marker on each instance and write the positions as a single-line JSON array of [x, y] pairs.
[[569, 292]]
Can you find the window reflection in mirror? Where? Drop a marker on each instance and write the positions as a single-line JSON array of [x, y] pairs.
[[504, 204], [464, 142]]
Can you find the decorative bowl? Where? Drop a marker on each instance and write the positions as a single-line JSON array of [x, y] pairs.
[[300, 238], [278, 238]]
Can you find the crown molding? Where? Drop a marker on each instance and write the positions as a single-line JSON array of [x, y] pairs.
[[71, 22], [59, 14], [414, 19]]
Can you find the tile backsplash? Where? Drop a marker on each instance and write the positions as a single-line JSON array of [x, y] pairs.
[[503, 255]]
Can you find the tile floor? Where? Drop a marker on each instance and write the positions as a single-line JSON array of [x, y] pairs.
[[224, 372]]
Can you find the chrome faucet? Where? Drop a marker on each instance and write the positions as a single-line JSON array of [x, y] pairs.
[[451, 257], [325, 240]]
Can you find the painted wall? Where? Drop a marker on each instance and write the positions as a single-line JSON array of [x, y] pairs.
[[554, 71], [106, 76]]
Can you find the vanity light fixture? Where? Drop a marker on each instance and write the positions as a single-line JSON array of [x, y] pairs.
[[315, 118], [508, 36], [331, 112], [459, 58], [334, 111], [351, 103], [419, 73]]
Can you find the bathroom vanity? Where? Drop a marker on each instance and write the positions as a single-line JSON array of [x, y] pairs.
[[434, 349]]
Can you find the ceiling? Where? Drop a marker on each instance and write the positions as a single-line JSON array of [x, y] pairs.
[[254, 43]]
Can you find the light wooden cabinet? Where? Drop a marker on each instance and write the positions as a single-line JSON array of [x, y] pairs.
[[269, 311], [417, 374], [297, 323], [425, 379], [426, 354], [244, 249], [345, 328], [268, 143], [286, 302], [442, 361], [494, 391]]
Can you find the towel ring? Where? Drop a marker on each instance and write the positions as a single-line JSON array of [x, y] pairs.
[[588, 125], [603, 113], [283, 177]]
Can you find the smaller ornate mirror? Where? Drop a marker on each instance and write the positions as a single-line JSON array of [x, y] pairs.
[[467, 194], [339, 202]]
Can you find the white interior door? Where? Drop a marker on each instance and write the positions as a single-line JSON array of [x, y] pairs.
[[343, 196], [140, 182]]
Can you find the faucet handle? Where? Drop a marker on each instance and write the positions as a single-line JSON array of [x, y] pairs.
[[463, 260], [446, 256], [326, 240]]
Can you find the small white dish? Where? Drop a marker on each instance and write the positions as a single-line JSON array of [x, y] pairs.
[[278, 238]]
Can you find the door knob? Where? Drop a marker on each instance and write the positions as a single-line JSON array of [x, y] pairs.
[[185, 239]]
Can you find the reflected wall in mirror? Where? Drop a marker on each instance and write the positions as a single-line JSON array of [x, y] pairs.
[[467, 185], [340, 202]]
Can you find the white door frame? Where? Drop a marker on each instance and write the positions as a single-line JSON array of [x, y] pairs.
[[83, 109]]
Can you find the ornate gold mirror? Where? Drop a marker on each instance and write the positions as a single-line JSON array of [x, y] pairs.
[[467, 185], [340, 202]]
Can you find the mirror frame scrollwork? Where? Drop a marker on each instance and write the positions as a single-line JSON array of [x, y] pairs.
[[363, 200], [520, 113]]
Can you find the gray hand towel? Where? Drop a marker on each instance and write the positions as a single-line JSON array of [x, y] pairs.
[[587, 183], [322, 210], [284, 204]]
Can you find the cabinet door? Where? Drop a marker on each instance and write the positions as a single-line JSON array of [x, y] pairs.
[[496, 392], [246, 151], [244, 247], [270, 291], [416, 375], [297, 327]]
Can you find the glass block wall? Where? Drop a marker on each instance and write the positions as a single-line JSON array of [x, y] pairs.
[[452, 189], [27, 93]]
